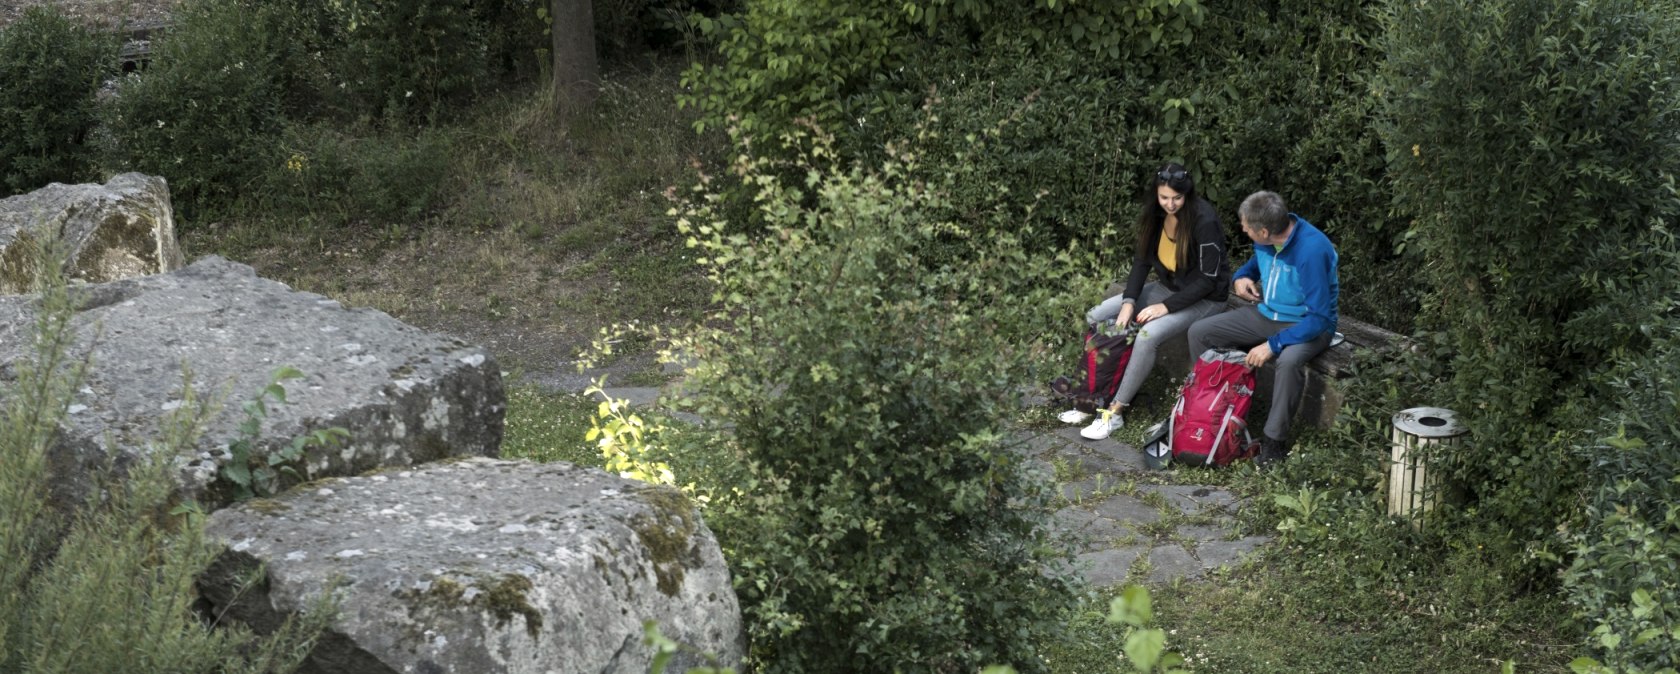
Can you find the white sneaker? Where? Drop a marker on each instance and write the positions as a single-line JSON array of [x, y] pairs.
[[1075, 416], [1104, 425]]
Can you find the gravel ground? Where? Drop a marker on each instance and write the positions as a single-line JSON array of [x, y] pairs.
[[104, 13]]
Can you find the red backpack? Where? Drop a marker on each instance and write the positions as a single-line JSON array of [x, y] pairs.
[[1207, 426], [1105, 359]]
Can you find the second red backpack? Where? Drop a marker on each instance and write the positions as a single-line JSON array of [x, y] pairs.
[[1106, 356], [1208, 426]]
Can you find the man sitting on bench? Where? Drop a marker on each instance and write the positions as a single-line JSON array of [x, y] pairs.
[[1293, 277]]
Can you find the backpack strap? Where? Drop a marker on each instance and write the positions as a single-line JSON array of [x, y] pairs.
[[1220, 436]]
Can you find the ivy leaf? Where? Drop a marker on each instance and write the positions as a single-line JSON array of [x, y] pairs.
[[1143, 648], [1131, 607]]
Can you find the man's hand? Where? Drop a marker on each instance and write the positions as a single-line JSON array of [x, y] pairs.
[[1258, 355], [1246, 289]]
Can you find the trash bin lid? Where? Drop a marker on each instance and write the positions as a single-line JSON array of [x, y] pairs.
[[1429, 422]]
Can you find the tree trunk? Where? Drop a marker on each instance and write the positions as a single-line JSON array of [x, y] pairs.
[[576, 74]]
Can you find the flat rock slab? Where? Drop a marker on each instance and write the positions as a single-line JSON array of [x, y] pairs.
[[122, 229], [1109, 566], [405, 396], [1169, 562], [1192, 498], [482, 566]]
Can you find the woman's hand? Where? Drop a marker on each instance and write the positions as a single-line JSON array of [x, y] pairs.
[[1125, 317], [1152, 312]]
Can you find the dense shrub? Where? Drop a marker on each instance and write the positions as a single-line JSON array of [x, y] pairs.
[[1281, 103], [628, 28], [207, 114], [885, 522], [1624, 580], [1059, 139], [836, 61], [412, 57], [362, 174], [1535, 146], [50, 70]]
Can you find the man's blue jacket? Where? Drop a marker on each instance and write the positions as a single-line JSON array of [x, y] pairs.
[[1297, 284]]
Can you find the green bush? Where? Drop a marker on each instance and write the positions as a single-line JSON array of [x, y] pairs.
[[839, 61], [207, 114], [885, 522], [1624, 580], [1534, 146], [108, 587], [1064, 151], [1281, 102], [363, 174], [627, 28], [50, 70], [412, 58]]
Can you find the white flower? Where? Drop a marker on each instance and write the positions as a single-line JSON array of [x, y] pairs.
[[160, 123], [408, 94]]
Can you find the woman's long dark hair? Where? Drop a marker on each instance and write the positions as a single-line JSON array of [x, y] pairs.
[[1153, 217]]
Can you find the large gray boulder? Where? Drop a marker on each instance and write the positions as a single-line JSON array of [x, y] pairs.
[[405, 396], [480, 566], [122, 229]]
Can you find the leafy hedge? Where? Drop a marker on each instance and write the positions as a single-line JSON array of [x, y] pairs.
[[1537, 148], [1624, 581], [839, 61], [50, 70], [207, 114], [1086, 125], [885, 522]]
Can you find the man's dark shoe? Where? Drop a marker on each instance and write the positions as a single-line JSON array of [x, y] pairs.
[[1272, 453]]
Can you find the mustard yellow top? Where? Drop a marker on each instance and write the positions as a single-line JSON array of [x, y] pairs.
[[1167, 250]]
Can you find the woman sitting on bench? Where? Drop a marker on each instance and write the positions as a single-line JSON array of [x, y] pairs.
[[1180, 238]]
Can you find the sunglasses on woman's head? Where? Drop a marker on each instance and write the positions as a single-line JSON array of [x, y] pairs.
[[1171, 175]]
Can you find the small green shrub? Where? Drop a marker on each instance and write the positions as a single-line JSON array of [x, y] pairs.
[[1534, 146], [390, 175], [257, 475], [884, 521], [50, 69], [207, 114]]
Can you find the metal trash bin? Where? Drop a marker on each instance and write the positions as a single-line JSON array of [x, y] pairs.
[[1413, 489]]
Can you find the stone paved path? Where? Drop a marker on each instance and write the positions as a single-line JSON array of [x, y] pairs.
[[1128, 523]]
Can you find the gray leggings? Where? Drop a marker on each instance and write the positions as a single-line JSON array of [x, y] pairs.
[[1150, 335]]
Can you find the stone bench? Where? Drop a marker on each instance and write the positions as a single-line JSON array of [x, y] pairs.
[[1321, 397]]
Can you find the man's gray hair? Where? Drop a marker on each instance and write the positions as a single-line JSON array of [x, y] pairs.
[[1265, 211]]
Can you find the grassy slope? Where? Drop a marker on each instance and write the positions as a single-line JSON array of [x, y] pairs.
[[540, 236]]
